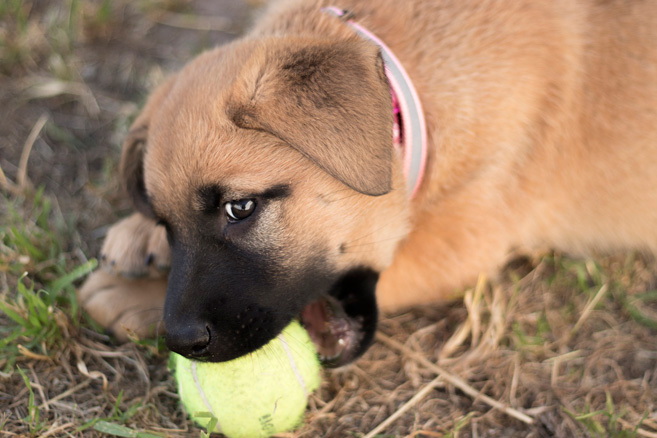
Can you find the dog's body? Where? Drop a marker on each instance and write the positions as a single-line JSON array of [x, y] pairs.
[[542, 132]]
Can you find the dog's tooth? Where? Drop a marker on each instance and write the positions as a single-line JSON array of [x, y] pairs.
[[327, 359]]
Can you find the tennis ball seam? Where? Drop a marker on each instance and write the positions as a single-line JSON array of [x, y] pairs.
[[293, 364], [204, 397]]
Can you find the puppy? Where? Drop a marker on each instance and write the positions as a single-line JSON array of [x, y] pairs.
[[334, 162]]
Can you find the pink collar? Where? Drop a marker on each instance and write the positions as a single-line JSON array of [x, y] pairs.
[[409, 128]]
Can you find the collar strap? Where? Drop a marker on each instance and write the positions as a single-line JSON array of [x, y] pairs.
[[409, 128]]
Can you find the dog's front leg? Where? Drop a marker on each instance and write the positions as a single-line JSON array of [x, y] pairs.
[[127, 294], [124, 306]]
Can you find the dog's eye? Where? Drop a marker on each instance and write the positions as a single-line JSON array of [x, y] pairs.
[[240, 209]]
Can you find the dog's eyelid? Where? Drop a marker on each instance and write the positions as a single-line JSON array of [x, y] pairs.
[[277, 191]]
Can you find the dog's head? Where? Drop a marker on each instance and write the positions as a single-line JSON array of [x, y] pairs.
[[271, 166]]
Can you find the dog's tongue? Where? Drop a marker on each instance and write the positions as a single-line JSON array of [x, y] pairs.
[[331, 330]]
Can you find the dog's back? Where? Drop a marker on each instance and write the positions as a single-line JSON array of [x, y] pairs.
[[542, 120]]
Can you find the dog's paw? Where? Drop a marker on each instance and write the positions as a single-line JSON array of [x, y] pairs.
[[124, 307], [136, 247]]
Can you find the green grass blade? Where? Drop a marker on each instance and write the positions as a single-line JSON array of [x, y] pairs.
[[77, 273], [114, 429], [13, 315], [22, 242]]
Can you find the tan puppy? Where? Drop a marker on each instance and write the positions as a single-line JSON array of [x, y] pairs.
[[269, 164]]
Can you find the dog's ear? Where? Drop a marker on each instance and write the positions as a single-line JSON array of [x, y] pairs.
[[131, 167], [330, 101]]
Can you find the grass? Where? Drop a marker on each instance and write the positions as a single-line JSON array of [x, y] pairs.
[[39, 312], [32, 253], [570, 343], [113, 424], [34, 425], [607, 422]]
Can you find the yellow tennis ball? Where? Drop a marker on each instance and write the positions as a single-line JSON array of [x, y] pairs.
[[256, 395]]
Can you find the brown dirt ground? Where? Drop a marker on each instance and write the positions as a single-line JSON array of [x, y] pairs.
[[530, 340]]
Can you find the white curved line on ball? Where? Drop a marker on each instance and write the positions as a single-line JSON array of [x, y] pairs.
[[203, 397], [293, 364]]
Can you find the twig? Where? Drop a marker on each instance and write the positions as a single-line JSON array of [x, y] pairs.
[[473, 305], [34, 356], [638, 430], [405, 407], [21, 178], [45, 88], [56, 430], [514, 380], [66, 393], [472, 325], [427, 433], [454, 380], [6, 184], [556, 363], [589, 307], [456, 340], [194, 22], [38, 386], [82, 367]]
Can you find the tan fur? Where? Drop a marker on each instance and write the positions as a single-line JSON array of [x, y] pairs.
[[542, 119]]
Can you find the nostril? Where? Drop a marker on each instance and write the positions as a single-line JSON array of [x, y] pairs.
[[200, 348], [191, 341]]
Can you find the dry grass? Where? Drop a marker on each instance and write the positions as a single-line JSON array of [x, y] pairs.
[[554, 347], [516, 342]]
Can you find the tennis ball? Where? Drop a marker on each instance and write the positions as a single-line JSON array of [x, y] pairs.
[[256, 395]]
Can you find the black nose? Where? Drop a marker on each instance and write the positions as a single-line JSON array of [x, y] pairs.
[[190, 340]]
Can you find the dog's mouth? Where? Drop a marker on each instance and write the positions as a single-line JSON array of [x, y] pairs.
[[336, 335], [342, 324]]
